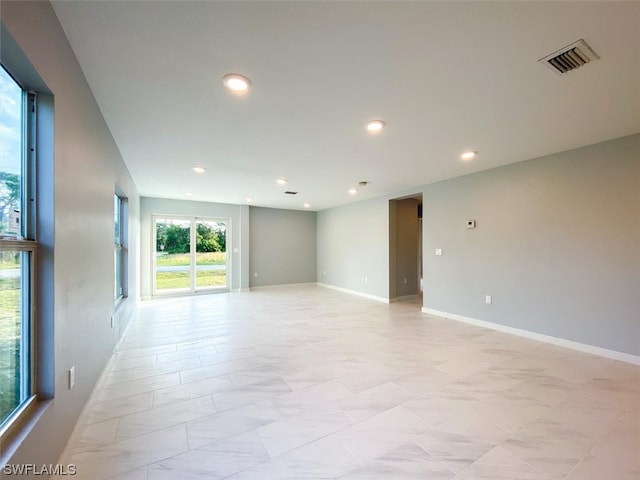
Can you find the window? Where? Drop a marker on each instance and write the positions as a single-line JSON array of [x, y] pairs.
[[190, 255], [120, 246], [17, 246]]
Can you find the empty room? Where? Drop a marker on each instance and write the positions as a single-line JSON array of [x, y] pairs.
[[319, 240]]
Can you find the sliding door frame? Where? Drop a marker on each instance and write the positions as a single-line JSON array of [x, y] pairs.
[[193, 289]]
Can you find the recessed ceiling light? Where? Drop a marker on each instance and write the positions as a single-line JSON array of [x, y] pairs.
[[198, 169], [281, 181], [248, 199], [236, 83], [374, 126], [306, 205], [353, 191], [469, 155], [189, 194]]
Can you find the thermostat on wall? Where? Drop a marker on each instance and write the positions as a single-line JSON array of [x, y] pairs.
[[471, 224]]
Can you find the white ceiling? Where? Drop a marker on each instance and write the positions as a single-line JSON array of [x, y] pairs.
[[445, 77]]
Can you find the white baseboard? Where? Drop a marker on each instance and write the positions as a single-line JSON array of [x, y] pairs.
[[354, 292], [582, 347], [283, 285]]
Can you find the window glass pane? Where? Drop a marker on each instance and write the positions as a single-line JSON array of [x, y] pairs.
[[116, 215], [11, 141], [118, 273], [173, 259], [14, 379], [118, 245], [211, 254]]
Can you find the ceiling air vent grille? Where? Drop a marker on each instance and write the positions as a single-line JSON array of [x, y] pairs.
[[289, 192], [570, 57]]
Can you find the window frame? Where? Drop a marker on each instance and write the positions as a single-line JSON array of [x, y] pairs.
[[121, 247], [26, 418], [193, 289], [25, 243]]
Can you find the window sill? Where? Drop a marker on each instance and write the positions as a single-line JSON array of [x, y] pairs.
[[15, 432]]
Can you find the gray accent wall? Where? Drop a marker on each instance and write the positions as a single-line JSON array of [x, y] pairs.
[[557, 245], [282, 246], [78, 244], [238, 245]]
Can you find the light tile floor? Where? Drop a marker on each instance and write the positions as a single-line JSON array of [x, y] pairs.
[[310, 383]]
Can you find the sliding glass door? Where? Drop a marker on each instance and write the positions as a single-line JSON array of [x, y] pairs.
[[190, 254]]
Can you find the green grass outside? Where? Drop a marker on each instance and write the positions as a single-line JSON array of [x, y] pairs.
[[9, 343], [184, 259], [8, 261], [204, 278]]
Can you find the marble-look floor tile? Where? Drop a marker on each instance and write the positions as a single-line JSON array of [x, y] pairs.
[[292, 432], [557, 442], [130, 387], [100, 411], [323, 459], [437, 407], [304, 399], [407, 462], [594, 468], [248, 394], [96, 435], [162, 417], [373, 401], [499, 464], [309, 383], [378, 435], [227, 424], [121, 457], [189, 391], [215, 461]]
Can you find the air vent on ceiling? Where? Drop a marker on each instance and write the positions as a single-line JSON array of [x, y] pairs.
[[289, 192], [570, 57]]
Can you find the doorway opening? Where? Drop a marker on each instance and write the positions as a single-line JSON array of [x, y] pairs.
[[190, 255], [405, 249]]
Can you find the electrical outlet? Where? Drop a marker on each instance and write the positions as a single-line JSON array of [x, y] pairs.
[[488, 299], [255, 274], [405, 280], [72, 377], [366, 279], [438, 251]]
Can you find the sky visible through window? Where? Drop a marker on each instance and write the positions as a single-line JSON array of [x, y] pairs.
[[10, 150]]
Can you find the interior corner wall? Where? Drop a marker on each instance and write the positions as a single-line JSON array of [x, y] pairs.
[[556, 245], [282, 246], [238, 251], [87, 167], [353, 247]]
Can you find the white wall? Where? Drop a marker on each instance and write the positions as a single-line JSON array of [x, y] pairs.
[[238, 216], [87, 166], [353, 244], [282, 246]]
